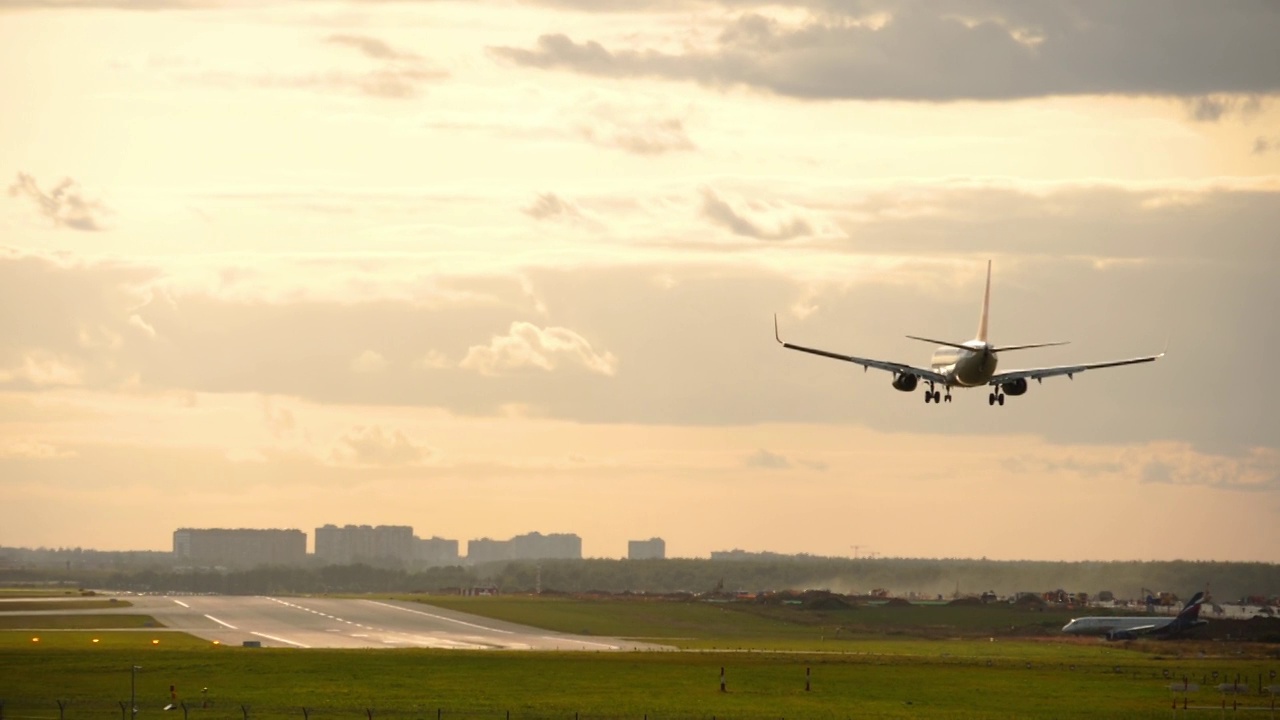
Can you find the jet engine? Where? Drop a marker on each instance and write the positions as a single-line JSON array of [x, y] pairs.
[[907, 383], [1015, 387], [1115, 635]]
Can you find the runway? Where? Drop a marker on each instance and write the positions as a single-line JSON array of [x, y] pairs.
[[306, 622]]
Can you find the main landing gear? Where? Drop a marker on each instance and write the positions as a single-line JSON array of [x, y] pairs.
[[995, 398], [931, 395]]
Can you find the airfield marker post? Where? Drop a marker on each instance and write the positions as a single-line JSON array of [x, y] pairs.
[[806, 679], [722, 687]]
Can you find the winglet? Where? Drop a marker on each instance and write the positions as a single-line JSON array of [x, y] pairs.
[[775, 329], [986, 305]]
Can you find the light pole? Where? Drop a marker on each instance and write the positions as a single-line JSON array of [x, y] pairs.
[[133, 685]]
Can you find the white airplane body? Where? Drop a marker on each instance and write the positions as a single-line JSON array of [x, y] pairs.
[[1128, 628], [966, 365]]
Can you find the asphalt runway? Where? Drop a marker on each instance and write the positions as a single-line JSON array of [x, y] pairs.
[[304, 622]]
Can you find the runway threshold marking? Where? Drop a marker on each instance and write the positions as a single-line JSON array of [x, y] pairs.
[[182, 603], [442, 617], [223, 624], [280, 639]]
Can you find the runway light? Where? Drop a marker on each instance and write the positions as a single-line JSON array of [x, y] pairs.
[[35, 639], [95, 641], [155, 642], [215, 642]]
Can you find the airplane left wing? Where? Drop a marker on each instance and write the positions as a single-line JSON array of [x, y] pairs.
[[1068, 370], [893, 367]]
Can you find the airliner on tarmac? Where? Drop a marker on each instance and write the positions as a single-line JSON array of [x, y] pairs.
[[968, 364], [1128, 628]]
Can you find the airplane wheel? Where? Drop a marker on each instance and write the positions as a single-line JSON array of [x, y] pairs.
[[1000, 398], [948, 398], [937, 396], [991, 398], [928, 397]]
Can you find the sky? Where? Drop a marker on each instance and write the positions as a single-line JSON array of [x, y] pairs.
[[492, 267]]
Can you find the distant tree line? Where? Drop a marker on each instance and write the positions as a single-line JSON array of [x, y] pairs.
[[1227, 581]]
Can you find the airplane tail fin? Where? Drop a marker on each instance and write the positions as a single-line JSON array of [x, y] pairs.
[[986, 305], [1191, 610]]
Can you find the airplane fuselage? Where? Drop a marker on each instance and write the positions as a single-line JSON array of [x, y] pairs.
[[965, 368], [1102, 625]]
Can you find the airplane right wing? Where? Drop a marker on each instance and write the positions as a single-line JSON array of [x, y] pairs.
[[893, 367], [1068, 370]]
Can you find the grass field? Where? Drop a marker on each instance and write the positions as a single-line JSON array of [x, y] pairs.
[[18, 606], [890, 666], [75, 622]]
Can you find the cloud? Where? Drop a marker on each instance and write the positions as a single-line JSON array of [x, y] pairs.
[[722, 213], [528, 346], [768, 460], [993, 50], [65, 204], [636, 134], [1263, 145], [1257, 470], [371, 47], [372, 446], [549, 205], [1212, 108], [368, 362]]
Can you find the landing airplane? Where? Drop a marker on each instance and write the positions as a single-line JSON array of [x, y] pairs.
[[966, 365], [1128, 628]]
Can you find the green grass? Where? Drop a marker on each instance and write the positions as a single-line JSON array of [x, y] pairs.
[[885, 662], [736, 626], [75, 622], [39, 605], [882, 679]]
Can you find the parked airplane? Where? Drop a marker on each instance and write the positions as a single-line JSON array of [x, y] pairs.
[[1128, 628], [966, 365]]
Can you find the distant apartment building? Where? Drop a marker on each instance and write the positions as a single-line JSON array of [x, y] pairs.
[[651, 549], [435, 552], [556, 546], [483, 550], [530, 546], [239, 548], [351, 544]]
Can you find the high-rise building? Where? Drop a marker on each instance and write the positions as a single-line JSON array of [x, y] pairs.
[[364, 543], [556, 546], [435, 552], [651, 549], [485, 550], [239, 548]]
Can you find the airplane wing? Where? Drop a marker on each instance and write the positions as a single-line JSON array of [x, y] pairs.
[[1068, 370], [893, 367]]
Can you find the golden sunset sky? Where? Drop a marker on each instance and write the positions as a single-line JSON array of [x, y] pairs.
[[485, 268]]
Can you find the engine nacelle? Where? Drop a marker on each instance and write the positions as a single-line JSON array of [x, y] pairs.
[[906, 383], [1016, 387]]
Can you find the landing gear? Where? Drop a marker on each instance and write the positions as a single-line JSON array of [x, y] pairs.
[[995, 398], [947, 397], [931, 395]]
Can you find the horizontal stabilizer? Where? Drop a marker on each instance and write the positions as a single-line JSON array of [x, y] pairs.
[[942, 342], [1003, 348]]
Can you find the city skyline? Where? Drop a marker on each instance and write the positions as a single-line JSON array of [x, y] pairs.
[[482, 266]]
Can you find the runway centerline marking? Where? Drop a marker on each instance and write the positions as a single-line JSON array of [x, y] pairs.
[[223, 624], [182, 603]]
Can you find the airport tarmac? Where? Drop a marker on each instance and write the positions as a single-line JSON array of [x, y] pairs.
[[307, 622]]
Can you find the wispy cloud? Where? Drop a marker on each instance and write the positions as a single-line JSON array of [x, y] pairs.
[[372, 446], [65, 204], [767, 225], [371, 47]]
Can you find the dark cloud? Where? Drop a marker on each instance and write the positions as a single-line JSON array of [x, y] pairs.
[[371, 47], [1212, 108], [976, 50], [722, 213], [1263, 145], [64, 204], [768, 460], [549, 205]]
